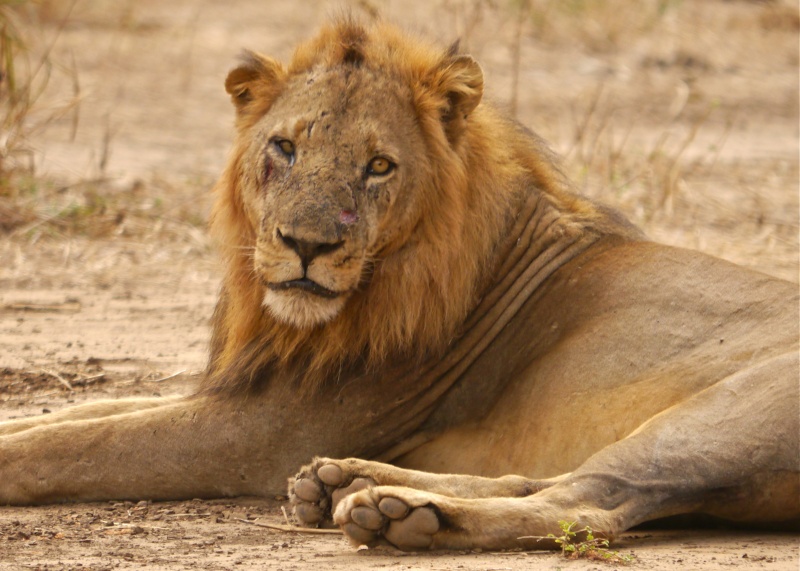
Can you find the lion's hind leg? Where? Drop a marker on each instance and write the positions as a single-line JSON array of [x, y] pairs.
[[320, 486], [91, 410]]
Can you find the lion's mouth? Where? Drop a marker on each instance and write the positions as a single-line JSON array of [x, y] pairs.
[[304, 284]]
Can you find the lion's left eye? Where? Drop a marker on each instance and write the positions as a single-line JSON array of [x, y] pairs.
[[380, 166], [286, 147]]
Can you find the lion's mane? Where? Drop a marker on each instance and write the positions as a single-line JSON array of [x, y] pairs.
[[416, 299]]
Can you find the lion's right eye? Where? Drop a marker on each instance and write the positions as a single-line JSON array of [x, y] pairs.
[[380, 166], [286, 147]]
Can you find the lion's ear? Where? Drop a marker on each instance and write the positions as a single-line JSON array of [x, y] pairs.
[[254, 85], [461, 81]]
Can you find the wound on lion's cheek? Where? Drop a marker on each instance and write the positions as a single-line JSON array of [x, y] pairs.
[[348, 217], [267, 168]]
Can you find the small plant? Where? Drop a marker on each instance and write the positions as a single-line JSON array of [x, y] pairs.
[[587, 545]]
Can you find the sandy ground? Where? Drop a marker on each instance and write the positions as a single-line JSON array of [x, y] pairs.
[[687, 121]]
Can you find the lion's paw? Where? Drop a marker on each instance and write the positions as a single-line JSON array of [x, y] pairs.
[[319, 487], [401, 517]]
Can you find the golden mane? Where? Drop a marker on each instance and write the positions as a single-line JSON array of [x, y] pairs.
[[419, 295]]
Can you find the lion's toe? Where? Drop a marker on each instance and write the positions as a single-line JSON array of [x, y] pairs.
[[367, 517], [331, 474], [308, 490], [393, 508], [309, 514]]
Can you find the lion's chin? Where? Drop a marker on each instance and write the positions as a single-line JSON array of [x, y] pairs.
[[302, 309]]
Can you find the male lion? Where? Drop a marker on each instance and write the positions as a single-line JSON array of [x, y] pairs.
[[410, 279]]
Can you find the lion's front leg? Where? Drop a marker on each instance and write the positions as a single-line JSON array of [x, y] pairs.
[[195, 447], [319, 487], [412, 520]]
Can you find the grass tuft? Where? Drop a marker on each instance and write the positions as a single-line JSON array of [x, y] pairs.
[[582, 544]]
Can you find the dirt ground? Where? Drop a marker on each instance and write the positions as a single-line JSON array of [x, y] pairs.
[[682, 114]]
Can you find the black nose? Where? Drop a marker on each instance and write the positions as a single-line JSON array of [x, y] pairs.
[[308, 249]]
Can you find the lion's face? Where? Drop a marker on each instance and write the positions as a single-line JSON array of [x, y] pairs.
[[325, 170]]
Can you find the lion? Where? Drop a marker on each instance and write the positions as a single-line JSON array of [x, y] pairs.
[[466, 350]]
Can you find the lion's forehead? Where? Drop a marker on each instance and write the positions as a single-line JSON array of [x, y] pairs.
[[343, 104]]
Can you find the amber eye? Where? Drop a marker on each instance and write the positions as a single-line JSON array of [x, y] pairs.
[[380, 166], [286, 147]]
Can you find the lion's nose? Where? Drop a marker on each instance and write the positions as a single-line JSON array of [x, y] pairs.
[[308, 249]]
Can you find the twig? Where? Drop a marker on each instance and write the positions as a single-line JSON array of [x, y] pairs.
[[292, 528], [285, 515], [168, 377], [93, 378], [61, 379]]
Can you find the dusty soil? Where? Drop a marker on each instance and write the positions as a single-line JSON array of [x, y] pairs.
[[687, 120]]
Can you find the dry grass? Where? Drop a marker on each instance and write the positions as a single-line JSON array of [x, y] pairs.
[[34, 207], [665, 34], [606, 161], [604, 26], [26, 67], [598, 25], [674, 155]]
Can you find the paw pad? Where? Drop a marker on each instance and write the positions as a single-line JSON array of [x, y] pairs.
[[369, 519], [318, 489]]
